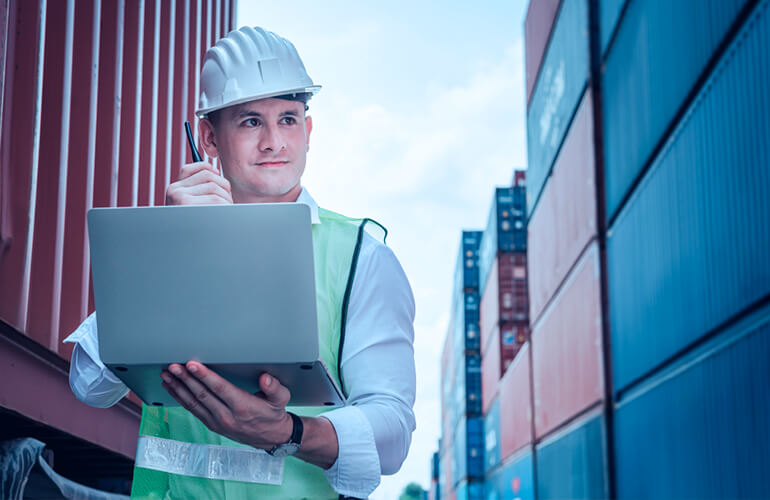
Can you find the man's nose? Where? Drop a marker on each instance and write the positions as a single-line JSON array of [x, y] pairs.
[[271, 139]]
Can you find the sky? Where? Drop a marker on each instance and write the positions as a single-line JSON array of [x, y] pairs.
[[421, 115]]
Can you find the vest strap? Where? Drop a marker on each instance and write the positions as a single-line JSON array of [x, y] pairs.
[[208, 461]]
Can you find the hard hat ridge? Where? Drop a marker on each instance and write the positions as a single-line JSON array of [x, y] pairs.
[[249, 64]]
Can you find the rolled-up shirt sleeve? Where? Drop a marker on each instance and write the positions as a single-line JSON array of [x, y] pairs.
[[374, 430], [91, 381]]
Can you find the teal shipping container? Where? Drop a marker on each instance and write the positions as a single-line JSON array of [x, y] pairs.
[[517, 480], [557, 93], [694, 239], [492, 436], [609, 13], [572, 463], [659, 52], [700, 428]]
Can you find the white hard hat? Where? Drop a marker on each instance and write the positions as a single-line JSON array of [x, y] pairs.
[[248, 64]]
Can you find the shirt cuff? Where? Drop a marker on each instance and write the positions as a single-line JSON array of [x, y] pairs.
[[356, 472]]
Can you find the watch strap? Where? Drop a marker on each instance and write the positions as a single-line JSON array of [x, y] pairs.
[[297, 429]]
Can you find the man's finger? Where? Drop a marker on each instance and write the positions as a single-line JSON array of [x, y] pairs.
[[201, 394], [202, 177], [274, 392], [178, 391], [227, 392], [193, 168], [209, 188]]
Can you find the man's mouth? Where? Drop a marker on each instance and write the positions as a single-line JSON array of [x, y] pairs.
[[272, 163]]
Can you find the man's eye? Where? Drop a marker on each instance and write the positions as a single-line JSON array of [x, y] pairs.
[[288, 120], [251, 122]]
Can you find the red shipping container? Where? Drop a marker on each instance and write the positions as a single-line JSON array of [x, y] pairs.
[[519, 178], [538, 25], [567, 363], [489, 310], [565, 219], [512, 286], [513, 334], [515, 406], [491, 370]]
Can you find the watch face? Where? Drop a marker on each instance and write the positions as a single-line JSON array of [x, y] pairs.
[[285, 450]]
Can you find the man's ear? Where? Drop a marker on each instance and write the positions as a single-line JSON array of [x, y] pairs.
[[207, 137], [308, 129]]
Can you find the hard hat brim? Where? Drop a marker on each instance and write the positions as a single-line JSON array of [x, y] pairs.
[[313, 90]]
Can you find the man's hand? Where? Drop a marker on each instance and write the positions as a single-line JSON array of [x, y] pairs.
[[259, 420], [199, 184]]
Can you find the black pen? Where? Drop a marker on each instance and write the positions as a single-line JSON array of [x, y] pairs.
[[195, 155]]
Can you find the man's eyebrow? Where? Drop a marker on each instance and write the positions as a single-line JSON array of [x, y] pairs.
[[249, 113]]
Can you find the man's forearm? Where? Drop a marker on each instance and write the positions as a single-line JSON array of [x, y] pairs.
[[319, 442]]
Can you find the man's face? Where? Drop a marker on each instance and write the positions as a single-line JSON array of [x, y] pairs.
[[262, 146]]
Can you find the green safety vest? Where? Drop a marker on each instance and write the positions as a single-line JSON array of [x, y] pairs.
[[336, 244]]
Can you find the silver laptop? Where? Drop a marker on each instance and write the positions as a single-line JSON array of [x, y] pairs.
[[232, 286]]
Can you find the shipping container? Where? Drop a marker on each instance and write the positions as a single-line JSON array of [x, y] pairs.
[[506, 228], [467, 268], [517, 478], [537, 31], [659, 52], [700, 427], [492, 437], [94, 95], [489, 307], [434, 463], [491, 371], [513, 335], [609, 15], [557, 93], [493, 484], [515, 406], [567, 367], [470, 490], [693, 238], [565, 219], [446, 474], [468, 449], [572, 463]]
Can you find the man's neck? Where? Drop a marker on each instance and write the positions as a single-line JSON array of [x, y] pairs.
[[288, 197]]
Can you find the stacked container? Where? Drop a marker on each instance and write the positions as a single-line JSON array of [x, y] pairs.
[[463, 424], [434, 491]]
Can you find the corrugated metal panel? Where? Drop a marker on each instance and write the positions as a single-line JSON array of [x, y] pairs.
[[515, 406], [609, 14], [556, 94], [565, 219], [490, 371], [660, 50], [710, 260], [517, 479], [567, 368], [573, 465], [492, 437], [93, 69], [537, 30], [700, 430]]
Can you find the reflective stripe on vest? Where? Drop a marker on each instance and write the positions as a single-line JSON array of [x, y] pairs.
[[208, 461]]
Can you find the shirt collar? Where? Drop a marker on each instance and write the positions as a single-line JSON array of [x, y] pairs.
[[304, 197]]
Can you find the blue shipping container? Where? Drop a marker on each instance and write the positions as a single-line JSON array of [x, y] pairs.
[[694, 238], [506, 228], [466, 322], [470, 490], [609, 13], [517, 481], [493, 484], [660, 50], [469, 448], [573, 465], [492, 436], [467, 267], [557, 93], [701, 430]]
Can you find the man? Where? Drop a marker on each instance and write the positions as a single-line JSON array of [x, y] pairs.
[[253, 103]]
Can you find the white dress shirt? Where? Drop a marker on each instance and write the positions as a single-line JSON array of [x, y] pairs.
[[374, 429]]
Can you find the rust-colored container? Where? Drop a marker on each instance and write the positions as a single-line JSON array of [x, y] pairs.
[[565, 218], [491, 369], [515, 406], [566, 348], [506, 296], [94, 97], [538, 24], [513, 334]]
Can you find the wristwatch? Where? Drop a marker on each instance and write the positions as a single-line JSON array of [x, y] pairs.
[[292, 447]]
